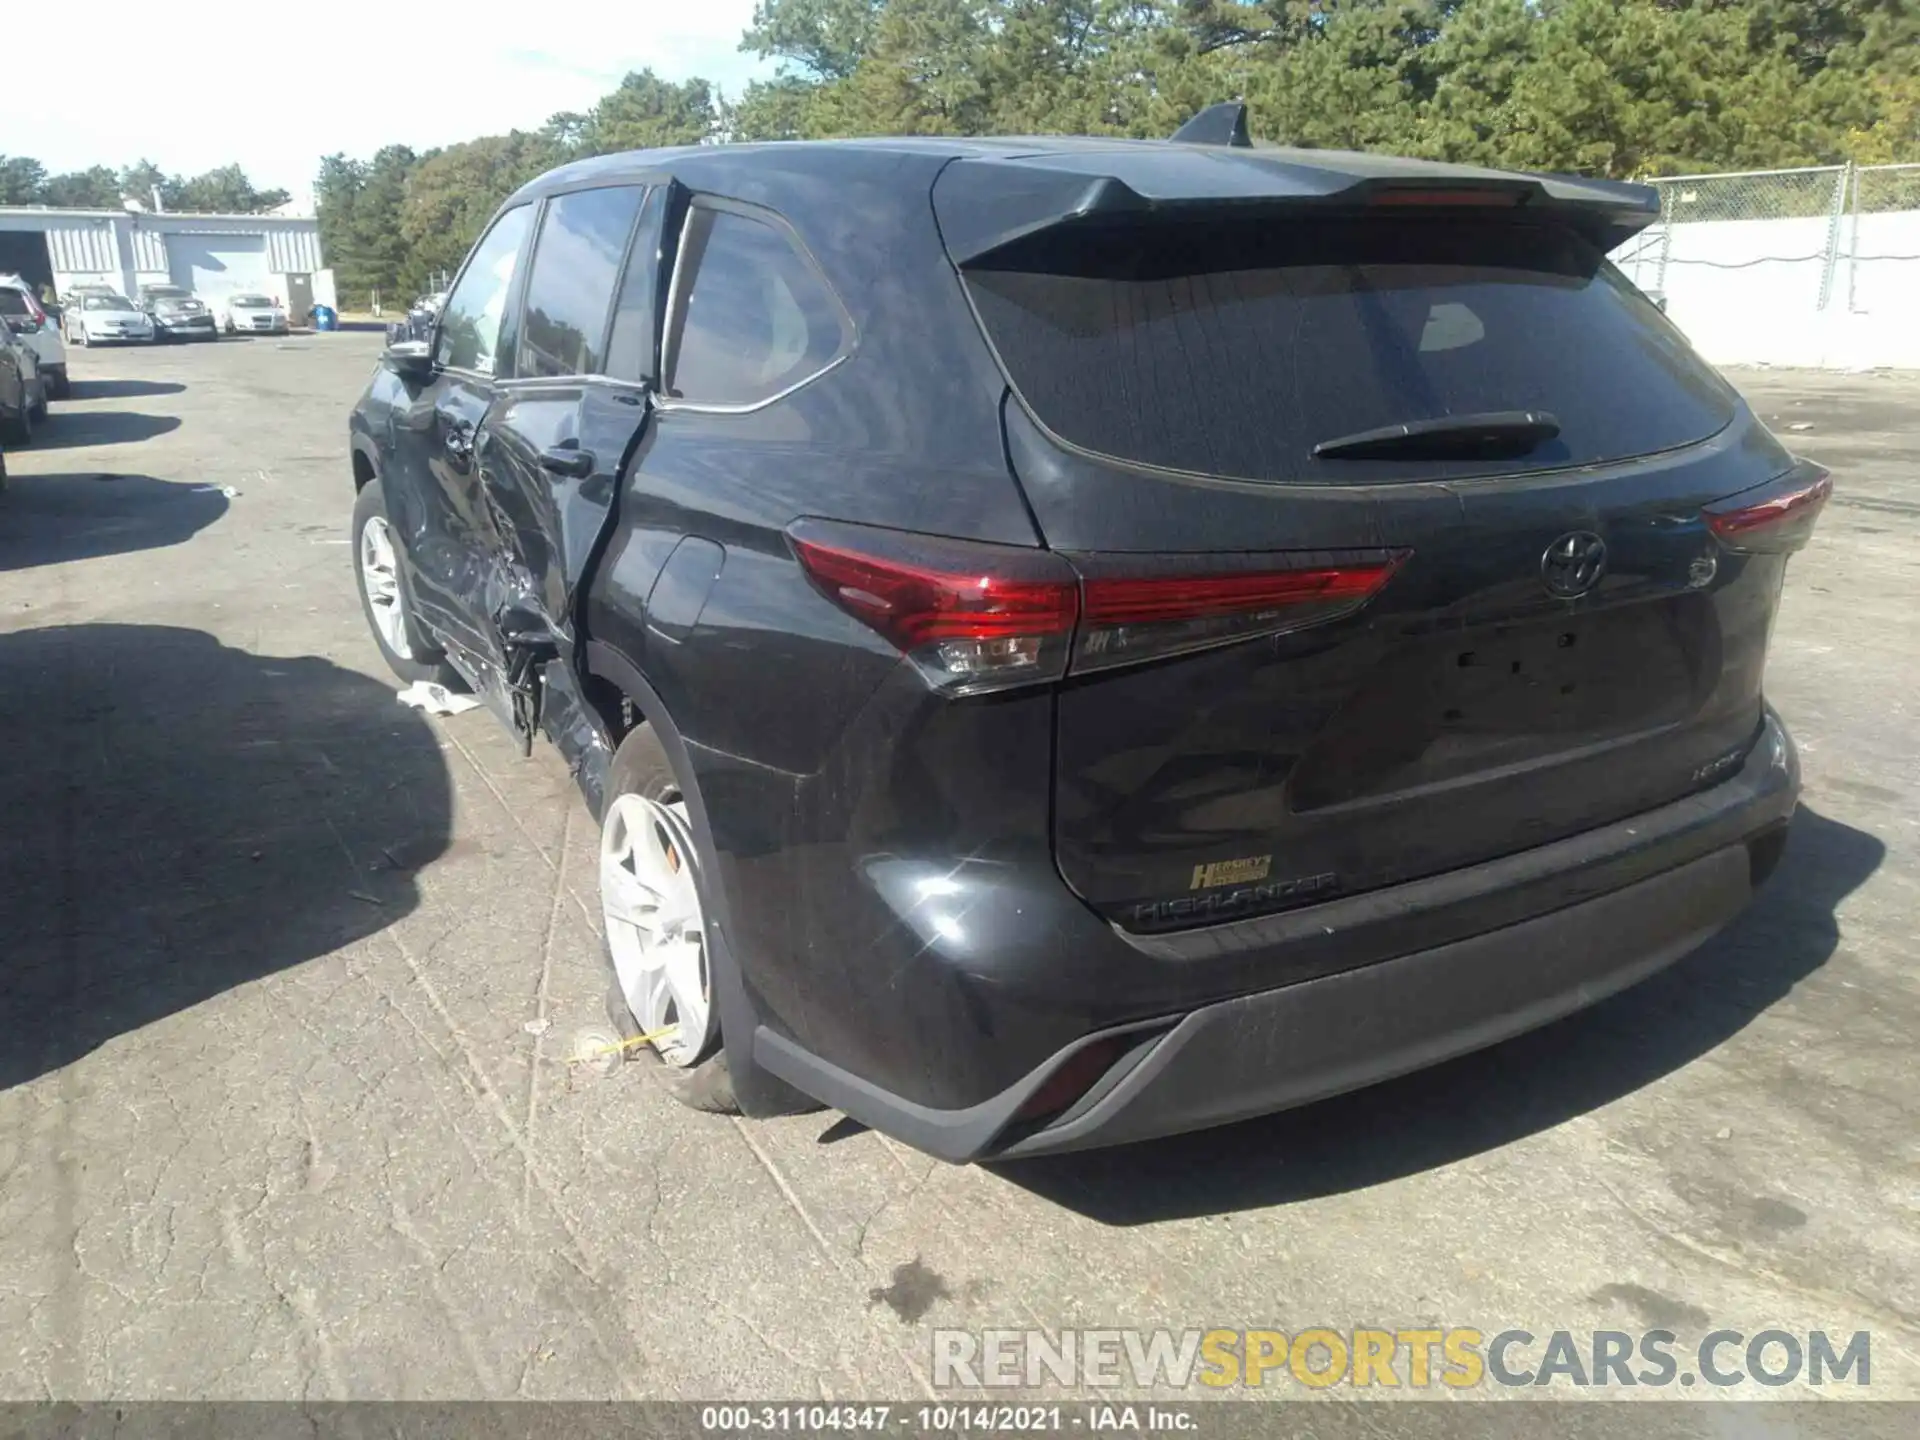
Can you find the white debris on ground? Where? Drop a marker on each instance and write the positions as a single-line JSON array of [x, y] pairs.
[[436, 699]]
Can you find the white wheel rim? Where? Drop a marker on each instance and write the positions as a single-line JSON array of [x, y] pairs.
[[380, 573], [655, 927]]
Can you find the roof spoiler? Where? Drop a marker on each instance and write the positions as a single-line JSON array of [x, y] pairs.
[[1222, 124]]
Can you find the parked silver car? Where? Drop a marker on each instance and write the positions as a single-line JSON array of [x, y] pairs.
[[23, 387], [104, 317], [39, 330]]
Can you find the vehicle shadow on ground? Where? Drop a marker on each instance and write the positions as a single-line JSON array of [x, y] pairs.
[[1481, 1101], [122, 389], [181, 817], [49, 519], [69, 429]]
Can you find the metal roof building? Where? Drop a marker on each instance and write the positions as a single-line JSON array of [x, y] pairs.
[[213, 255]]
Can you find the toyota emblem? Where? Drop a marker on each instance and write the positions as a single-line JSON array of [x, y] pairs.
[[1573, 564]]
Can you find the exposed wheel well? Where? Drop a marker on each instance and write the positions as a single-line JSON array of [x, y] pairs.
[[362, 472], [618, 711]]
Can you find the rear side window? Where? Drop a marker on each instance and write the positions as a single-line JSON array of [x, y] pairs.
[[631, 352], [1233, 350], [576, 264], [470, 324], [757, 317]]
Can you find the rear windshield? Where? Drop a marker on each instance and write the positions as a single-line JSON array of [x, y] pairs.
[[12, 302], [1233, 350]]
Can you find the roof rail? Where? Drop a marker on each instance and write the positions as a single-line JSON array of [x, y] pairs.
[[1222, 124]]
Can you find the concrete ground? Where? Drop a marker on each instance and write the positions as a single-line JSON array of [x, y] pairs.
[[289, 975]]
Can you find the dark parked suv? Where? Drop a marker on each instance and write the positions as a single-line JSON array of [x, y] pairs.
[[1073, 640]]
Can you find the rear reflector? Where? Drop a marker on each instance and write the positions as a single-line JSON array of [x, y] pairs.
[[1075, 1076], [972, 617], [1129, 618], [1775, 518], [975, 617]]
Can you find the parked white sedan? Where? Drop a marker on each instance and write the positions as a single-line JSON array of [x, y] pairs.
[[253, 314], [106, 318]]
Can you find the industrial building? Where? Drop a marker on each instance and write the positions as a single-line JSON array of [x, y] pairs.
[[213, 255]]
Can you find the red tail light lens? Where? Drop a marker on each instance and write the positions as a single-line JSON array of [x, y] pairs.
[[1772, 519], [1133, 617], [973, 617]]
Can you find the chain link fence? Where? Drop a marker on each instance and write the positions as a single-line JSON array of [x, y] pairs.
[[1734, 254]]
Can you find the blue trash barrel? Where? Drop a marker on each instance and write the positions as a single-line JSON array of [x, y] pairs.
[[324, 318]]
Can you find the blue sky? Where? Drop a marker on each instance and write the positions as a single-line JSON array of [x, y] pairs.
[[248, 81]]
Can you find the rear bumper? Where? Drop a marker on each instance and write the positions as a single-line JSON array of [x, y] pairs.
[[1694, 867]]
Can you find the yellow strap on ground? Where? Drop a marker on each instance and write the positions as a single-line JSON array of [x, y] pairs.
[[626, 1045]]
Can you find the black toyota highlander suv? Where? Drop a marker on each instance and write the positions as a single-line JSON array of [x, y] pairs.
[[1069, 640]]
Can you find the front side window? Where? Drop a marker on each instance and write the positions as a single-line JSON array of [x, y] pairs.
[[576, 265], [758, 318], [470, 325]]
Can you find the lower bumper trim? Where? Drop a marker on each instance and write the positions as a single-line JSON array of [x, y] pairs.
[[1304, 1042]]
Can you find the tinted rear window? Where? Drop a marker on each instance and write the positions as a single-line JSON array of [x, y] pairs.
[[1233, 350], [13, 303]]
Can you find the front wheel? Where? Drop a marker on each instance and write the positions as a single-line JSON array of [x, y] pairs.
[[404, 645], [62, 386]]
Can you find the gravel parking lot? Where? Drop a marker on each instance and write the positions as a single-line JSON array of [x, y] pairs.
[[289, 973]]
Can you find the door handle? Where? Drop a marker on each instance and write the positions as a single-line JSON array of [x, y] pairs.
[[568, 460]]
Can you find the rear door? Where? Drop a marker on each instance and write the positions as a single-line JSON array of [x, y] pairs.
[[583, 376], [1392, 541], [433, 492]]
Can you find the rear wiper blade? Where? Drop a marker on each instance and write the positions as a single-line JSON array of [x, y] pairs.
[[1496, 433]]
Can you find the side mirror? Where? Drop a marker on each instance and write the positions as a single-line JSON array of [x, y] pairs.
[[410, 359]]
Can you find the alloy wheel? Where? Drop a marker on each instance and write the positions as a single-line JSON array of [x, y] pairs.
[[656, 929], [380, 573]]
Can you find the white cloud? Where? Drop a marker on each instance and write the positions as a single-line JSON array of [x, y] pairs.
[[273, 88]]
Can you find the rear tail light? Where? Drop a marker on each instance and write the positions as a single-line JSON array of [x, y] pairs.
[[1772, 519], [975, 617], [972, 617], [1131, 613]]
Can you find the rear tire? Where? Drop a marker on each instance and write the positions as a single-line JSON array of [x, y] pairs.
[[655, 925], [18, 430], [377, 575]]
